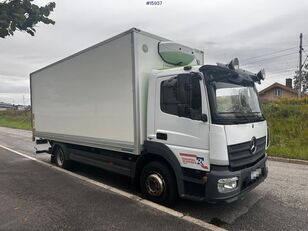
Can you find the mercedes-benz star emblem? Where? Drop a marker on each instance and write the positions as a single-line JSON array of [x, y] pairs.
[[253, 145]]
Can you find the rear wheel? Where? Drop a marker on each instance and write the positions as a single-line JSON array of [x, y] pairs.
[[59, 158], [158, 184], [52, 159]]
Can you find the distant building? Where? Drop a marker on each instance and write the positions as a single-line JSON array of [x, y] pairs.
[[5, 106], [278, 91], [23, 107]]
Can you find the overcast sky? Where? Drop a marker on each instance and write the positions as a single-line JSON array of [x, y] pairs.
[[223, 29]]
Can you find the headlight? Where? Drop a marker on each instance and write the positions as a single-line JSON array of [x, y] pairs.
[[227, 184]]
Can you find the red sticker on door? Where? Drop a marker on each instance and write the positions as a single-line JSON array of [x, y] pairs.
[[193, 159]]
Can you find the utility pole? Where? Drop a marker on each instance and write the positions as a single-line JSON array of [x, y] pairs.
[[300, 64]]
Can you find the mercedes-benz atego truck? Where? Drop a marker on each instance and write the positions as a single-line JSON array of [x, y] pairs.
[[149, 108]]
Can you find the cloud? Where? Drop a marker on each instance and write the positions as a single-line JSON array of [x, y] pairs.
[[14, 84], [224, 29]]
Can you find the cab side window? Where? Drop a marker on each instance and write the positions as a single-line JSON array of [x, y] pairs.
[[168, 96], [181, 96], [196, 96]]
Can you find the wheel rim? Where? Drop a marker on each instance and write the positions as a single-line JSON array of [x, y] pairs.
[[155, 184], [60, 157]]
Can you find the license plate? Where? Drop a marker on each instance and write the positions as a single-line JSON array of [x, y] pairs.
[[256, 173]]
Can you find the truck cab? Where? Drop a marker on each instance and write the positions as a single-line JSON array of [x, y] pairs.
[[210, 119]]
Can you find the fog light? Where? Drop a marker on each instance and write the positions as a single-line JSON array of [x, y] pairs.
[[227, 184]]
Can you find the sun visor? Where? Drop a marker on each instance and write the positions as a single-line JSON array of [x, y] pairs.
[[175, 54]]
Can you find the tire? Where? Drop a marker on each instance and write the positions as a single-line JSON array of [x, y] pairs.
[[59, 157], [52, 159], [158, 184]]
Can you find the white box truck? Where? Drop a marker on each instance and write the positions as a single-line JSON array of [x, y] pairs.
[[146, 107]]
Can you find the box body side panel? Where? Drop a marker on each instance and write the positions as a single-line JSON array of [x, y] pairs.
[[89, 96]]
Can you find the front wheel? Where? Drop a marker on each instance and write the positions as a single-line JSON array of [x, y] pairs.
[[158, 184]]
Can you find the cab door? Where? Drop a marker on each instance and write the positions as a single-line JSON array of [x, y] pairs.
[[181, 118]]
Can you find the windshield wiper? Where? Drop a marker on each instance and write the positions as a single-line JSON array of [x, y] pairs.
[[254, 112], [243, 116], [258, 114], [237, 115]]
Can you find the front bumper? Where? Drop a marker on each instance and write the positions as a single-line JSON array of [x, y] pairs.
[[209, 190], [245, 183]]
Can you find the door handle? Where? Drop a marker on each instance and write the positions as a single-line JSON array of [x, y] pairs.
[[161, 136]]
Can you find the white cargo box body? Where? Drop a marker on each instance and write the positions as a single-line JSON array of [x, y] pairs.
[[98, 97]]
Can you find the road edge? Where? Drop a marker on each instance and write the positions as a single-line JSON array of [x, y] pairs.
[[133, 197], [288, 160]]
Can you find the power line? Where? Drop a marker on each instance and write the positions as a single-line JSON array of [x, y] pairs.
[[282, 62], [271, 53], [260, 60], [289, 61], [279, 65], [287, 69], [284, 71]]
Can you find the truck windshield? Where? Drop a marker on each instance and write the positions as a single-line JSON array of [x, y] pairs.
[[233, 97]]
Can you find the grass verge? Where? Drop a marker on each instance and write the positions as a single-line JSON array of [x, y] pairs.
[[15, 119], [287, 120], [288, 123]]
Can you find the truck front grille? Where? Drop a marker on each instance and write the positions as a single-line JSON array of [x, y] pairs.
[[240, 155]]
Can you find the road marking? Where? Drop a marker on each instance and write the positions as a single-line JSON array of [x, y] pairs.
[[133, 197]]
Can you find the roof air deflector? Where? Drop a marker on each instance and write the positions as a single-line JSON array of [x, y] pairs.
[[175, 54]]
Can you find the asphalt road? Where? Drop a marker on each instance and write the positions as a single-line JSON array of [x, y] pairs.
[[279, 203], [35, 197]]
